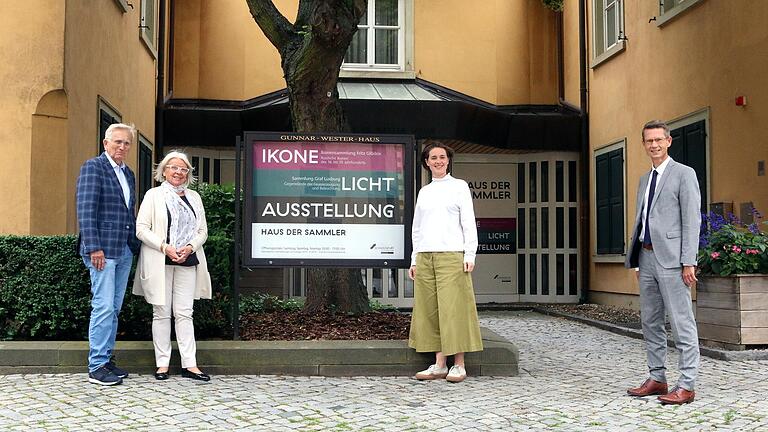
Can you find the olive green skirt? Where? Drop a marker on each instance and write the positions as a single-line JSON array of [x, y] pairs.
[[444, 313]]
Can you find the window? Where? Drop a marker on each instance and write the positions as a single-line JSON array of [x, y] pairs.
[[609, 199], [608, 29], [144, 182], [148, 25], [107, 116], [669, 9], [205, 173], [380, 41]]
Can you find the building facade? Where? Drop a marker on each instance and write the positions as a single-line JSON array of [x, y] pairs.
[[696, 64], [548, 103], [82, 65]]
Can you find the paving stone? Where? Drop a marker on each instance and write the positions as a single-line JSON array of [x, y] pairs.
[[572, 377]]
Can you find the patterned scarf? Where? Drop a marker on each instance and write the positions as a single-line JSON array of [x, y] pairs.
[[183, 220]]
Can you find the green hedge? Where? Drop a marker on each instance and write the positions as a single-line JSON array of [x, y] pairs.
[[45, 292]]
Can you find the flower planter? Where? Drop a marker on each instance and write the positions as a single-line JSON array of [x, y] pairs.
[[732, 311]]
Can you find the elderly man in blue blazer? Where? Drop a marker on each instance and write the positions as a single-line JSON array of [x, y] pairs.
[[106, 202], [664, 244]]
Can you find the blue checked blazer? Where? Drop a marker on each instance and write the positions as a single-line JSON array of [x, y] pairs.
[[105, 221]]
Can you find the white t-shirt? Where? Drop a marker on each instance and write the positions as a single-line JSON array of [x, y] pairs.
[[444, 219]]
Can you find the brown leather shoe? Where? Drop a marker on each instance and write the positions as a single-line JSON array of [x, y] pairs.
[[649, 387], [678, 396]]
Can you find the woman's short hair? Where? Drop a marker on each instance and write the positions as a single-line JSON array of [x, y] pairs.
[[434, 145], [174, 154]]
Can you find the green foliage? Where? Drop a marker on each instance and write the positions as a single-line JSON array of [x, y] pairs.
[[555, 5], [219, 203], [44, 288], [378, 306], [45, 292], [213, 318], [261, 303], [727, 246]]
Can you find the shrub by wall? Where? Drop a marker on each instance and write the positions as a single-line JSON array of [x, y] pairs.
[[45, 292]]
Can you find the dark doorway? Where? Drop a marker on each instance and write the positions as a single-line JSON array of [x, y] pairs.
[[689, 147]]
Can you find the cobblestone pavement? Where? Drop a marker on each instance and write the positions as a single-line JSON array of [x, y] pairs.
[[572, 377]]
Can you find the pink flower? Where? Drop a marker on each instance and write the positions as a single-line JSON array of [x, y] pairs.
[[714, 255], [736, 249], [752, 252]]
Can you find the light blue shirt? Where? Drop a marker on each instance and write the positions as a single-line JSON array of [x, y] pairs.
[[121, 179]]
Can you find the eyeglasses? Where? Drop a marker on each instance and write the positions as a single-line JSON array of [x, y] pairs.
[[654, 140], [178, 169], [121, 143]]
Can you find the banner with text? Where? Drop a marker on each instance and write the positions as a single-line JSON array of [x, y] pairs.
[[328, 200]]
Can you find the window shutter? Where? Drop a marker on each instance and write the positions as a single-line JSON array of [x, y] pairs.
[[617, 201], [603, 201], [609, 200]]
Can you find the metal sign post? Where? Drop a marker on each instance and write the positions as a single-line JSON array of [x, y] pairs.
[[237, 239]]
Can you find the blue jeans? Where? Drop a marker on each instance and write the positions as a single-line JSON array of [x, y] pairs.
[[108, 290]]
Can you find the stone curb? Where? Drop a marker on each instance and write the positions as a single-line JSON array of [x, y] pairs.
[[638, 334], [301, 358]]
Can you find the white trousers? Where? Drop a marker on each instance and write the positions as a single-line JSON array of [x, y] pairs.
[[179, 300]]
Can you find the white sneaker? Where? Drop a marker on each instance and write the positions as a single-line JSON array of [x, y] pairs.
[[456, 374], [432, 372]]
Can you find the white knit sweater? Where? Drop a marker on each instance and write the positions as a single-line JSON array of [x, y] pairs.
[[444, 219]]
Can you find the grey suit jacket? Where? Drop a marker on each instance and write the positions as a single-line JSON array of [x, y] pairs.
[[675, 218]]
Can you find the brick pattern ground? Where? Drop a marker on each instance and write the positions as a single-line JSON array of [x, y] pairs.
[[572, 377]]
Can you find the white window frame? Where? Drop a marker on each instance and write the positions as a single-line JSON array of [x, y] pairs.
[[149, 39], [603, 49], [144, 142], [404, 67], [123, 5], [669, 14], [608, 258]]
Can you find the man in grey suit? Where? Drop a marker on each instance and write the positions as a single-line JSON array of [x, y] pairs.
[[664, 244]]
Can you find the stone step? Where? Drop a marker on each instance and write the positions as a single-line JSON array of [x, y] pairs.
[[303, 358]]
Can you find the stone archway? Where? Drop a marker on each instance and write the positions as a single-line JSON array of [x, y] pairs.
[[48, 179]]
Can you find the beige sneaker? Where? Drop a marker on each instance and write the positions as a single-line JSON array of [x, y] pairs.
[[456, 374], [432, 372]]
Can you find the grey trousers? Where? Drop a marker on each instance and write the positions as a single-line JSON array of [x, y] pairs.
[[662, 290]]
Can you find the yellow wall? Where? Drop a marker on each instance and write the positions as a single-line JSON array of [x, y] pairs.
[[221, 53], [702, 59], [115, 66], [571, 51], [64, 56], [31, 45], [500, 51]]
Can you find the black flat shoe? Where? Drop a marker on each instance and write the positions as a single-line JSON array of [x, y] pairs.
[[196, 376], [161, 376]]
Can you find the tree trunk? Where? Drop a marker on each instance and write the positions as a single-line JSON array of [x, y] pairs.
[[311, 51]]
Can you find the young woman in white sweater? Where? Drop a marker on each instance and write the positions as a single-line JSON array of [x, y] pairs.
[[444, 235]]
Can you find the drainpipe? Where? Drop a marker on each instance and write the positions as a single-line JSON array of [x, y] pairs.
[[160, 96], [585, 154]]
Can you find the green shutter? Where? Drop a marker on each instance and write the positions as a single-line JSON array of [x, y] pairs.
[[609, 200]]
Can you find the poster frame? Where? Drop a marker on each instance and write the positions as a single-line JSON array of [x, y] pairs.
[[250, 138]]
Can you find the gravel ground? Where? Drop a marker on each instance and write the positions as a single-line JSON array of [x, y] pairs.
[[297, 325], [613, 314]]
